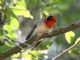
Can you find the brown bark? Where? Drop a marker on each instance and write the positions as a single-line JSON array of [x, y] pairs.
[[55, 32]]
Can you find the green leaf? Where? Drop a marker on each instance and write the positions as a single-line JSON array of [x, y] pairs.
[[44, 44], [16, 55], [7, 28], [75, 51], [4, 48], [20, 9], [0, 4], [69, 36], [77, 41], [9, 31], [45, 12], [28, 54], [14, 24], [1, 33], [25, 13]]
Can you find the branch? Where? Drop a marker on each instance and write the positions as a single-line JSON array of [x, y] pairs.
[[64, 51], [55, 32]]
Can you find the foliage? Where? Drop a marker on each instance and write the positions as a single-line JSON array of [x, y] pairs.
[[66, 12], [69, 36], [12, 12]]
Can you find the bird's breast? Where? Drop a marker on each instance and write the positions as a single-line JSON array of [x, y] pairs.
[[42, 28]]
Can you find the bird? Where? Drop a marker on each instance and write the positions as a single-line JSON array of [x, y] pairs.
[[43, 26]]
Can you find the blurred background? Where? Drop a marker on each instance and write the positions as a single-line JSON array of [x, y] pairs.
[[17, 17]]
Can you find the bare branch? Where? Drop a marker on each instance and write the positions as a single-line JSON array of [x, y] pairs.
[[64, 51], [55, 32]]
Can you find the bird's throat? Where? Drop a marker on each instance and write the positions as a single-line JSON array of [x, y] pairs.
[[49, 24]]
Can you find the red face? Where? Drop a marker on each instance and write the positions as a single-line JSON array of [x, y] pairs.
[[50, 21]]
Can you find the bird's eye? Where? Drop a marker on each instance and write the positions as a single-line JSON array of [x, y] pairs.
[[49, 18]]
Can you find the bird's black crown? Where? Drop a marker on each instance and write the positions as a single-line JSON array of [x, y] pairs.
[[49, 18]]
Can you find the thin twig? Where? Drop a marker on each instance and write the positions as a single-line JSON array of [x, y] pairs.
[[28, 51], [64, 51]]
